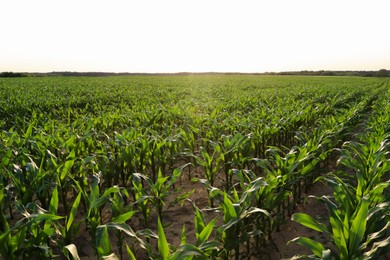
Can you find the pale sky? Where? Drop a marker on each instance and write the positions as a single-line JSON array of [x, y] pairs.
[[196, 36]]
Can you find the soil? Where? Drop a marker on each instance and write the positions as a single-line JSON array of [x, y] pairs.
[[174, 217]]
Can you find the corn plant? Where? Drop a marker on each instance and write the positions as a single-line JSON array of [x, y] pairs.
[[281, 175], [240, 217], [71, 228], [230, 151], [94, 202], [211, 165], [202, 249], [103, 242], [188, 140], [27, 237], [120, 214], [149, 193], [347, 232], [359, 212]]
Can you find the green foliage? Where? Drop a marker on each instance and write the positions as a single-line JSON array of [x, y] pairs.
[[97, 152], [358, 213]]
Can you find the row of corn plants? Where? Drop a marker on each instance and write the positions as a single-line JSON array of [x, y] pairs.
[[357, 223], [299, 162]]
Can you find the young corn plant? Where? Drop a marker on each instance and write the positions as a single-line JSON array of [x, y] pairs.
[[283, 180], [349, 233], [359, 213], [94, 202], [149, 193], [240, 217], [230, 151], [203, 247], [211, 165], [188, 140], [143, 201], [70, 230], [28, 237], [369, 161], [103, 241], [120, 214]]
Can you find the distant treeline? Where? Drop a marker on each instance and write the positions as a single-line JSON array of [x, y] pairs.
[[364, 73], [379, 73], [7, 74]]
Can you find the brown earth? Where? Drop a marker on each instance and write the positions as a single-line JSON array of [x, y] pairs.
[[174, 217]]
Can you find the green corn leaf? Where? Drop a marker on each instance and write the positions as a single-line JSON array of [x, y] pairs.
[[130, 253], [114, 189], [210, 245], [183, 235], [19, 238], [310, 166], [338, 228], [129, 231], [214, 192], [163, 247], [204, 235], [228, 225], [66, 168], [103, 244], [6, 157], [3, 223], [54, 202], [228, 208], [199, 221], [43, 217], [253, 210], [124, 217], [181, 198], [97, 202], [187, 251], [361, 186], [176, 174], [29, 131], [95, 191], [256, 185], [376, 193], [1, 192], [122, 227], [159, 183], [316, 247], [53, 206], [358, 227], [5, 237], [307, 221], [73, 212]]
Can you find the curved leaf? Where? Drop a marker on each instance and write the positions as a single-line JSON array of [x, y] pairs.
[[72, 249], [316, 247], [307, 221]]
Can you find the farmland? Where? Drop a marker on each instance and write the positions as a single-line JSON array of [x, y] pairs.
[[197, 167]]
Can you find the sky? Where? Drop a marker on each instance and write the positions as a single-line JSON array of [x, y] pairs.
[[194, 36]]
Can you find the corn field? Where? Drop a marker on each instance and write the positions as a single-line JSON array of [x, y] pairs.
[[103, 162]]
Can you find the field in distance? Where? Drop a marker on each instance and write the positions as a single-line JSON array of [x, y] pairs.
[[171, 166]]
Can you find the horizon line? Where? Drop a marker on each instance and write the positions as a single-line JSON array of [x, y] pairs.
[[190, 72]]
